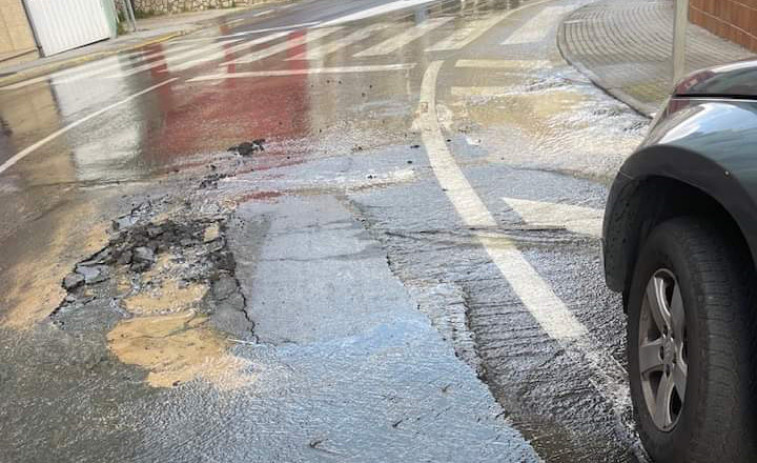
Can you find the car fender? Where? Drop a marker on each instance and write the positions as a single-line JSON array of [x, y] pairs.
[[708, 145]]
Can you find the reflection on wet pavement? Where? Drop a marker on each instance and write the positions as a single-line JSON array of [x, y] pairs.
[[553, 115], [264, 307], [32, 274]]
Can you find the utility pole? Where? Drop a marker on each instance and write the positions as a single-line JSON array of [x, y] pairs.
[[679, 39]]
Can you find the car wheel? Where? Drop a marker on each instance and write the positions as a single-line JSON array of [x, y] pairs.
[[691, 345]]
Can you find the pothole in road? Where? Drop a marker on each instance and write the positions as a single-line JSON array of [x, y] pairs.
[[178, 302]]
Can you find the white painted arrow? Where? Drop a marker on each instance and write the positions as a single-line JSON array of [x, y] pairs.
[[577, 219]]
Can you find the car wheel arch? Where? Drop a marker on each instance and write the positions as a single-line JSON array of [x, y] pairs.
[[641, 203]]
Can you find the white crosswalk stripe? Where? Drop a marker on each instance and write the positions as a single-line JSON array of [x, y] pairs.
[[93, 69], [307, 71], [467, 34], [406, 37], [186, 55], [228, 51], [538, 28], [309, 36], [378, 10], [331, 47], [239, 35], [578, 219], [177, 58]]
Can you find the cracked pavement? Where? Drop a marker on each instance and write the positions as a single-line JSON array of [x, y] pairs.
[[400, 264]]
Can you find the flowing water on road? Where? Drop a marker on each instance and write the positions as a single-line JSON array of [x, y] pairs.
[[327, 294]]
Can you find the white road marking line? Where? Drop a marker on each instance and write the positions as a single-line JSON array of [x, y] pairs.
[[336, 45], [400, 40], [156, 54], [467, 34], [171, 59], [503, 64], [382, 9], [236, 35], [310, 35], [227, 51], [548, 310], [291, 27], [30, 149], [80, 72], [297, 72], [577, 219], [538, 28]]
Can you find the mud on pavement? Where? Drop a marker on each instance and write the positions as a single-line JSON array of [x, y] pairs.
[[311, 297], [169, 281], [151, 356]]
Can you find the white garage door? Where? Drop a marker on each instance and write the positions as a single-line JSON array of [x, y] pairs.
[[61, 25]]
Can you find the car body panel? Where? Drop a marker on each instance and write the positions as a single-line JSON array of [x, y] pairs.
[[707, 143], [734, 80]]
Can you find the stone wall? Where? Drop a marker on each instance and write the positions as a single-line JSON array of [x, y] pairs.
[[158, 7], [735, 20]]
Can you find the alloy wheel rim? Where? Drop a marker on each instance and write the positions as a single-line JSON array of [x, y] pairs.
[[663, 356]]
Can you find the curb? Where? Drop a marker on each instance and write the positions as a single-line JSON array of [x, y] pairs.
[[641, 108]]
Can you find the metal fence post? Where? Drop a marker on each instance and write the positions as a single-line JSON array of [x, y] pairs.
[[130, 15], [679, 39]]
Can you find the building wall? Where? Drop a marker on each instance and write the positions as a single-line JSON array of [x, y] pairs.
[[15, 33], [735, 20]]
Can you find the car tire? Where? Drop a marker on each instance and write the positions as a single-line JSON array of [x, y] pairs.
[[708, 338]]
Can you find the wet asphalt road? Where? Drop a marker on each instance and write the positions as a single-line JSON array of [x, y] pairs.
[[409, 270]]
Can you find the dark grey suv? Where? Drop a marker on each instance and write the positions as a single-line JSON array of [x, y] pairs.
[[680, 243]]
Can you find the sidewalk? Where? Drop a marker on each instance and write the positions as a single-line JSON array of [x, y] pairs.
[[625, 47], [149, 31]]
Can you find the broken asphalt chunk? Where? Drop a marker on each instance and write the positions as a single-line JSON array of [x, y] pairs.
[[211, 181], [249, 147], [143, 254], [154, 231], [73, 281], [212, 233], [92, 274], [224, 287], [123, 222], [125, 257]]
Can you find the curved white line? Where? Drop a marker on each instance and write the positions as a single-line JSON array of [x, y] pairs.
[[30, 149]]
